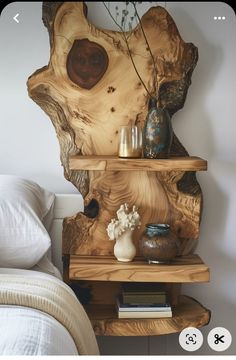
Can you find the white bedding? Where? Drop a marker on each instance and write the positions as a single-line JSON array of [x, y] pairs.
[[47, 267], [28, 331], [39, 314]]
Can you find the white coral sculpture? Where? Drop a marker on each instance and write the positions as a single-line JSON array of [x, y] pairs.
[[125, 220]]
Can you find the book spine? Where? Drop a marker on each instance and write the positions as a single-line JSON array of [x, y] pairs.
[[144, 299], [144, 315], [144, 309]]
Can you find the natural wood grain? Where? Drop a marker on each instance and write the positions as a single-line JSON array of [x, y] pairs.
[[114, 163], [187, 313], [185, 270], [87, 102], [86, 64], [87, 115]]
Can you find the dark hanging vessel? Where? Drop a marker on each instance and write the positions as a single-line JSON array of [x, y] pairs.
[[158, 133]]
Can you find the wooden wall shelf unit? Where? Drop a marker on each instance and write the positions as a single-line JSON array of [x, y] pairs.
[[114, 163], [188, 313], [103, 274], [87, 110], [185, 269], [107, 271]]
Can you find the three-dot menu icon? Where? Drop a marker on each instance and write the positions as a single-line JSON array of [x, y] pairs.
[[219, 18]]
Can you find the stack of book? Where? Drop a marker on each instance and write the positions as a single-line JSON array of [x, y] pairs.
[[143, 300]]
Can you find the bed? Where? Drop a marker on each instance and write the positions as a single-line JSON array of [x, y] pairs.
[[39, 313]]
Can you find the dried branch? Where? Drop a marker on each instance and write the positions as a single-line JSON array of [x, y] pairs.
[[146, 40], [127, 44]]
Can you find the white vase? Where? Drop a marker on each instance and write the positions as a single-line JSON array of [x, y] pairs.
[[124, 249]]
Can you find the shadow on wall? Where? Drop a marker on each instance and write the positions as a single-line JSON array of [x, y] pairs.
[[193, 123], [214, 248], [132, 345], [193, 126], [119, 345], [174, 348], [214, 244]]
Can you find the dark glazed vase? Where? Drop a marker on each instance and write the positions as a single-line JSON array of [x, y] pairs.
[[158, 133], [158, 244]]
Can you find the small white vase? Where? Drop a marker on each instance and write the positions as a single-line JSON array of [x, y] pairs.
[[124, 249]]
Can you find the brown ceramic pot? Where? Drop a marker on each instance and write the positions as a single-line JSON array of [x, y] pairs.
[[158, 244]]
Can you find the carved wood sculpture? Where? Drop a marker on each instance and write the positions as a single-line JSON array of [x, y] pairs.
[[89, 89]]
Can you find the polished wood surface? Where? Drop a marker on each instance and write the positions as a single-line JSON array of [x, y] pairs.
[[114, 163], [87, 112], [188, 313], [87, 103], [187, 269]]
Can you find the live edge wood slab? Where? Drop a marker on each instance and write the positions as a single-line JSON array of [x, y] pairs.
[[185, 269], [187, 313], [114, 163], [89, 89]]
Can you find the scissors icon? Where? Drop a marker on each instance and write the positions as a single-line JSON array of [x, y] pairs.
[[218, 339]]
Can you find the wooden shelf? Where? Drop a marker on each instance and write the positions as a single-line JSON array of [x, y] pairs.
[[184, 269], [114, 163], [103, 275], [187, 313]]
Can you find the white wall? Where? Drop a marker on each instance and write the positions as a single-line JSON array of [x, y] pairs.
[[206, 127], [28, 144]]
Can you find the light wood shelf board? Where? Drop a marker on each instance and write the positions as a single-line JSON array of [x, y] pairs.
[[187, 313], [114, 163], [185, 269]]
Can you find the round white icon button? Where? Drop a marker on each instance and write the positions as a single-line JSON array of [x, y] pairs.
[[190, 339], [219, 339]]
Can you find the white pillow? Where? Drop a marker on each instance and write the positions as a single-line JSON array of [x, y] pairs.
[[23, 237]]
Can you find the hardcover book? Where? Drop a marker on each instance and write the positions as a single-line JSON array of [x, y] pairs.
[[151, 307], [141, 293], [144, 298]]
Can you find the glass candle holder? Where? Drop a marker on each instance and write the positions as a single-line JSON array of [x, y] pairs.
[[130, 142]]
